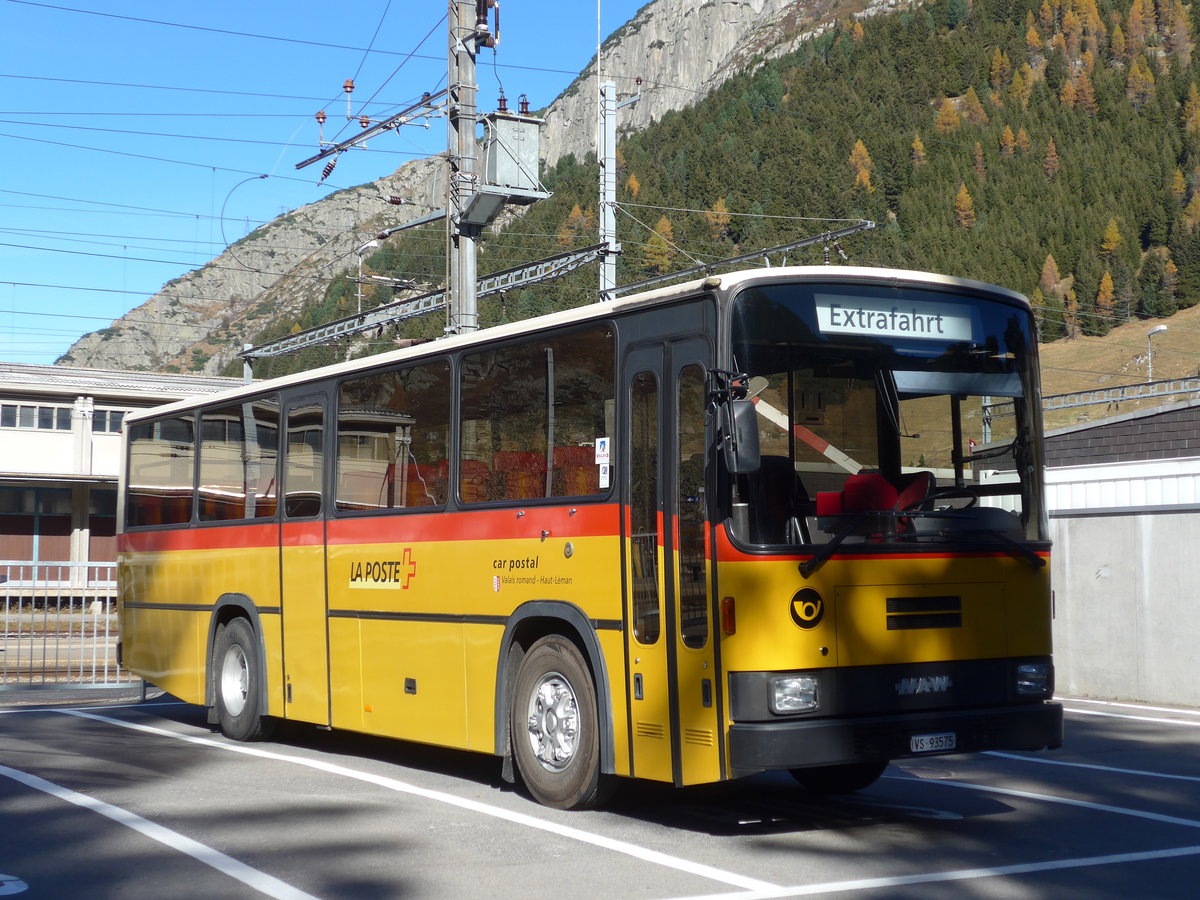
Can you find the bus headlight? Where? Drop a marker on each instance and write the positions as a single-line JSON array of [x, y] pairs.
[[794, 693], [1035, 679]]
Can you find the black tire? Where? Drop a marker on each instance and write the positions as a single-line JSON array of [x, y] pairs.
[[844, 779], [554, 726], [237, 683]]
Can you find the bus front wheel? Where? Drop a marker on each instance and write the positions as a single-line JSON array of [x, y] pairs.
[[238, 682], [843, 779], [554, 726]]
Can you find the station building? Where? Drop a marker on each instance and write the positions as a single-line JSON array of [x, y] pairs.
[[60, 454]]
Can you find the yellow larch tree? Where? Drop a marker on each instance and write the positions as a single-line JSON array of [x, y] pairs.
[[964, 208]]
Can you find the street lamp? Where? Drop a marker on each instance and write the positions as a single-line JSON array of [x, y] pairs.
[[1157, 329], [371, 245]]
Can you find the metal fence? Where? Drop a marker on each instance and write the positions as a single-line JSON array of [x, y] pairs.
[[59, 625]]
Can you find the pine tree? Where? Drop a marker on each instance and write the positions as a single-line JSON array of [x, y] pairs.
[[860, 162], [980, 167], [1117, 43], [1050, 165], [1139, 84], [1085, 94], [1190, 116], [1191, 213], [964, 208], [1178, 186], [1068, 95], [718, 220], [660, 247], [1106, 297], [1048, 281], [918, 152], [1008, 141], [973, 109], [1111, 242], [1000, 70], [1022, 86], [947, 117], [1071, 319]]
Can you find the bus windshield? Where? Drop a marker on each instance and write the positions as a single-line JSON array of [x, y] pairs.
[[888, 414]]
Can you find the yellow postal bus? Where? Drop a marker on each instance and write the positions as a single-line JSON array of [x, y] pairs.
[[762, 520]]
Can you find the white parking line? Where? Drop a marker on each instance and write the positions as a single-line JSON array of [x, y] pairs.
[[888, 881], [863, 884], [1177, 710], [1108, 715], [646, 855], [227, 865], [1112, 770]]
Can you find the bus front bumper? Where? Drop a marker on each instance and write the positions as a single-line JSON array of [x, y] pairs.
[[799, 743]]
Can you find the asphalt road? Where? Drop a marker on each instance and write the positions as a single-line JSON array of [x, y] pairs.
[[142, 800]]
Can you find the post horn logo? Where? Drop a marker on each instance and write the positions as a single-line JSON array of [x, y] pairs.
[[808, 609]]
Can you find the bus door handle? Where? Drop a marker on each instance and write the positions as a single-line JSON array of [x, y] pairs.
[[638, 693]]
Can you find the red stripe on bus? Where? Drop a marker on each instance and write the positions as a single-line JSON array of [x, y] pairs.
[[594, 520], [216, 537]]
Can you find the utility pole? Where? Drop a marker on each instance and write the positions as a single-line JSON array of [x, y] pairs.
[[607, 153], [468, 31], [608, 189]]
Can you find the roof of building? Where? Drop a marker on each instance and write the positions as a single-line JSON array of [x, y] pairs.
[[21, 379], [1170, 431]]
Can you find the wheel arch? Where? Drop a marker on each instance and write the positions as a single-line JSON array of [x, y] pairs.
[[228, 607], [530, 622]]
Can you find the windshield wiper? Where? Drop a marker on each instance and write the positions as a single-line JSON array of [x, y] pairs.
[[826, 551], [1015, 549]]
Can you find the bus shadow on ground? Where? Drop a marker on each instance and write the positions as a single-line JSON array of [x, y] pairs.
[[768, 803]]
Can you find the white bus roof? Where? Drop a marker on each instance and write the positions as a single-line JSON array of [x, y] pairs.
[[725, 282]]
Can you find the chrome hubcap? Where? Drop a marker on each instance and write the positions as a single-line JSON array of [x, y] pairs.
[[235, 680], [553, 722]]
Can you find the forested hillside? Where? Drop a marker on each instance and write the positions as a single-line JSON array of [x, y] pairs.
[[1047, 145]]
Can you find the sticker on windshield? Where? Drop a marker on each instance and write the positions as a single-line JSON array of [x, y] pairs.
[[869, 316]]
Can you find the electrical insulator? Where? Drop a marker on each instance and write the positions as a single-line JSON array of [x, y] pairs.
[[523, 105], [320, 117], [395, 201], [328, 170], [364, 122], [348, 87], [503, 103]]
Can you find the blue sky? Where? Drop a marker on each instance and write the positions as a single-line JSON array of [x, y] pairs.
[[131, 133]]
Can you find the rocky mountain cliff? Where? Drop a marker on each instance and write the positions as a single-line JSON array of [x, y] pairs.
[[682, 51], [199, 322]]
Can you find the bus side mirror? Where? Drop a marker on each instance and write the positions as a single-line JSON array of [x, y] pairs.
[[739, 433]]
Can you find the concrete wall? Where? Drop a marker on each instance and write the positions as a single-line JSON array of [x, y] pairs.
[[1126, 573]]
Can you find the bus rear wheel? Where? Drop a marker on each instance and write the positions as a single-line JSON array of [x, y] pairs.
[[238, 682], [554, 726], [843, 779]]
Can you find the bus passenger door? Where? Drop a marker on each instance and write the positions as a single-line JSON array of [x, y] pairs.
[[302, 592], [672, 687]]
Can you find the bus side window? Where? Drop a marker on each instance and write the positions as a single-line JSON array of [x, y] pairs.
[[238, 446], [161, 457], [303, 470], [531, 414], [394, 439]]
